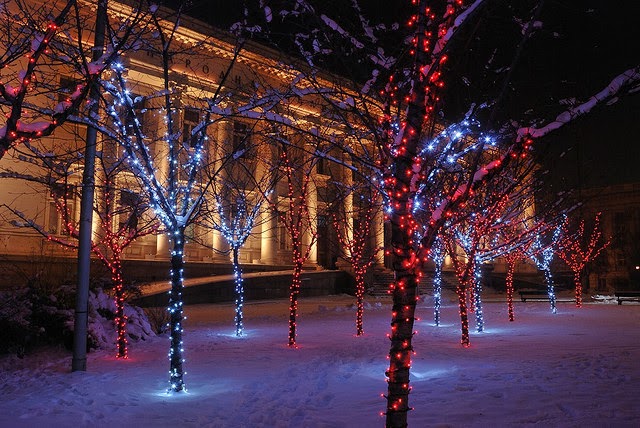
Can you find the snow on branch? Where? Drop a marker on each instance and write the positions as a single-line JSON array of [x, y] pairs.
[[624, 80]]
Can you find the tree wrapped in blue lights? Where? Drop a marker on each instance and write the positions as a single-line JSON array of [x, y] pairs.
[[164, 133], [542, 252], [438, 253], [239, 193]]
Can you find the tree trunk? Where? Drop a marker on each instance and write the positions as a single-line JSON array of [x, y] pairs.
[[477, 297], [577, 280], [294, 291], [464, 318], [120, 319], [550, 290], [359, 276], [437, 293], [404, 304], [511, 267], [175, 313], [239, 289]]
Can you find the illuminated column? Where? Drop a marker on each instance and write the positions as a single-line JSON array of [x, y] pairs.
[[347, 178], [268, 218], [99, 196], [161, 159], [268, 237], [223, 139], [162, 246], [311, 199], [377, 233]]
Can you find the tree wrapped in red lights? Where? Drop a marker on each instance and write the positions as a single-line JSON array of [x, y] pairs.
[[354, 222], [121, 212], [46, 77], [577, 250], [464, 272], [422, 171], [296, 210], [484, 229], [521, 238], [474, 238]]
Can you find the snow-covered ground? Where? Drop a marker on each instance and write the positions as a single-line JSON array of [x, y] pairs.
[[579, 368]]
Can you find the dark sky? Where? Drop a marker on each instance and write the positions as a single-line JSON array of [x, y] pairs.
[[580, 47]]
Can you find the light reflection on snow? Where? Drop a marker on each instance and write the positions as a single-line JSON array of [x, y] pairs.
[[199, 392], [418, 375], [493, 330], [246, 334]]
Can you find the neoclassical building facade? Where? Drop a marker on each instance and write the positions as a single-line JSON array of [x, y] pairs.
[[192, 79]]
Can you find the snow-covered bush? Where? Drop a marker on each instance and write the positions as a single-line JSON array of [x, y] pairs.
[[101, 331], [31, 316]]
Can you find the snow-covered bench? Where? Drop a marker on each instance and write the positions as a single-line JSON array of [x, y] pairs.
[[627, 295], [533, 295]]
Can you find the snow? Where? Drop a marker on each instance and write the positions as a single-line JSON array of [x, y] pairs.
[[33, 127], [576, 368]]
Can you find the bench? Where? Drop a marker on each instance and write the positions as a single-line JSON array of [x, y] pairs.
[[534, 295], [627, 295]]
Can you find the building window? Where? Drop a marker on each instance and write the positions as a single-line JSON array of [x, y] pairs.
[[190, 119], [62, 208], [130, 210], [283, 235], [619, 223], [130, 116], [190, 232], [67, 87], [241, 138], [602, 284], [621, 260], [322, 166]]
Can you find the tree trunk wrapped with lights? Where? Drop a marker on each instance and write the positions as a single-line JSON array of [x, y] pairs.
[[401, 182], [511, 267], [120, 318], [437, 255], [176, 350], [239, 290]]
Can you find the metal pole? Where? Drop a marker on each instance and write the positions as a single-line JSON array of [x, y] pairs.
[[79, 361]]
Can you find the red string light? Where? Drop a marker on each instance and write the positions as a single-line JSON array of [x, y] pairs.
[[576, 250]]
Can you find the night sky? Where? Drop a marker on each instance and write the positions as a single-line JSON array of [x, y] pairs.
[[580, 47]]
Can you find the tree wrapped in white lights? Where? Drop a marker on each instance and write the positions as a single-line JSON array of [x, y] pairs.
[[438, 254], [236, 208], [542, 251], [164, 150]]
